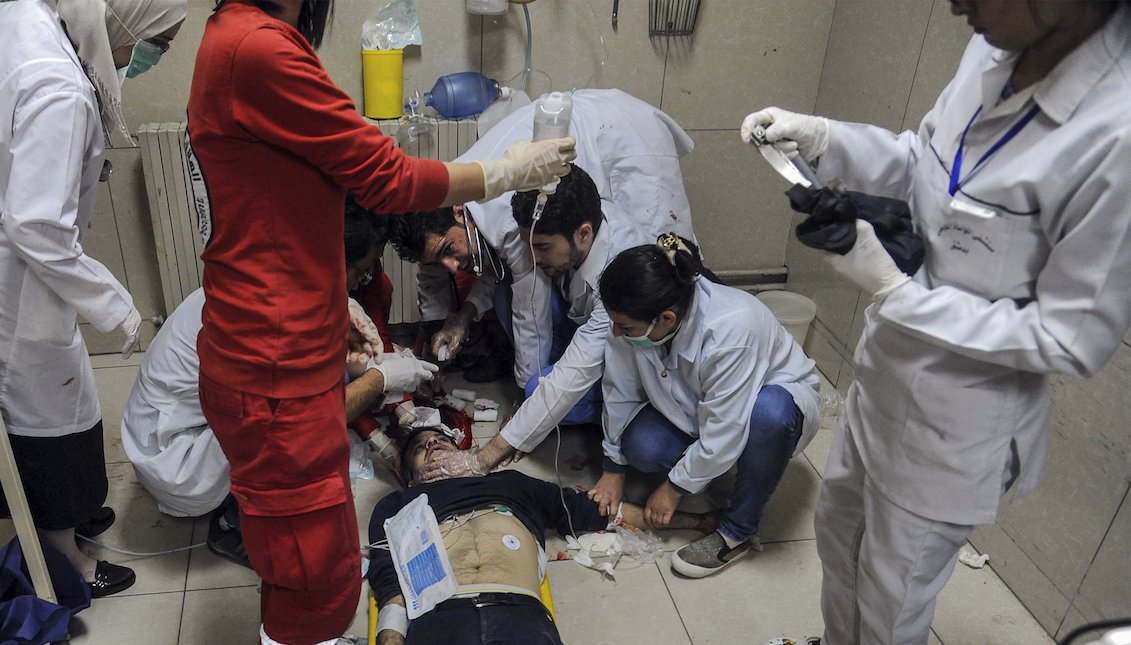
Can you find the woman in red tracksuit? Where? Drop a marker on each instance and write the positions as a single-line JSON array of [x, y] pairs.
[[274, 146]]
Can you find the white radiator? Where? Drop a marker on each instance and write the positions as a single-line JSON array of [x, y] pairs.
[[178, 238], [174, 220]]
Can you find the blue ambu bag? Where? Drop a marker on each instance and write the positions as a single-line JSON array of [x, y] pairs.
[[26, 619]]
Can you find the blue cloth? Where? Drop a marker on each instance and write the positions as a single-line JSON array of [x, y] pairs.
[[585, 411], [652, 443], [588, 409], [26, 618]]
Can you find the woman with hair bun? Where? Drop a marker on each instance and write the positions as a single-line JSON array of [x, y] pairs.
[[700, 378]]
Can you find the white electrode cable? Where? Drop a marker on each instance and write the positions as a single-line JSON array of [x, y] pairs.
[[539, 207]]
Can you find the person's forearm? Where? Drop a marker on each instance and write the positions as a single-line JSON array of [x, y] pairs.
[[391, 636], [493, 454], [465, 183], [363, 392], [467, 313], [633, 515]]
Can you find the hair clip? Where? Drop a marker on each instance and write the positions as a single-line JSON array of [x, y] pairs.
[[670, 244]]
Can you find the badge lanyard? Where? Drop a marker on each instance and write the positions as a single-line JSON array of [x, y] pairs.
[[956, 167]]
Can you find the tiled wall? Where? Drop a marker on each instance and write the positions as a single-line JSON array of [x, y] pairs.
[[1064, 548]]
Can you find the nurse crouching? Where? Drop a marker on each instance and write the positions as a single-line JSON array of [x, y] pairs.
[[699, 378]]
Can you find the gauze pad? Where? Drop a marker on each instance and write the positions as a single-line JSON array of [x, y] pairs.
[[423, 569]]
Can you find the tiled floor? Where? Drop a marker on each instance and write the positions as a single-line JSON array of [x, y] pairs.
[[194, 598]]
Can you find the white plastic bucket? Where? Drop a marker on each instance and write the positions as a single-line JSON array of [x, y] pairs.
[[794, 311]]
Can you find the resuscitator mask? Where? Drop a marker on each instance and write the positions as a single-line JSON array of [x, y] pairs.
[[644, 342], [145, 55]]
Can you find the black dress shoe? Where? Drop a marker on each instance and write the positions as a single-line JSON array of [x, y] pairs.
[[109, 579], [96, 524]]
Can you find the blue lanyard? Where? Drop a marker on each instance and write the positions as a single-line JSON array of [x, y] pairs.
[[956, 167]]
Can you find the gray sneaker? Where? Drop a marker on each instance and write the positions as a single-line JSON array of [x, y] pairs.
[[706, 556]]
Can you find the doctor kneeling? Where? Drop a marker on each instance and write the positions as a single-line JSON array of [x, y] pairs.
[[699, 378], [1018, 181]]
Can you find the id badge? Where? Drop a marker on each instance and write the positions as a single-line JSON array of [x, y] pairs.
[[975, 210]]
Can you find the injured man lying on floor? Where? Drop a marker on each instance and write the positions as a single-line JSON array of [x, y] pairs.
[[464, 558]]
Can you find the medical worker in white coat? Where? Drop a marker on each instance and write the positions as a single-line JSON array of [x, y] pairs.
[[1019, 182], [60, 64], [631, 150], [699, 378]]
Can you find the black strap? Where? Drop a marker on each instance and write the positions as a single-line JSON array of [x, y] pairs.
[[490, 599]]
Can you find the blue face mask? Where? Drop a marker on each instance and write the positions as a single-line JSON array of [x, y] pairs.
[[644, 342], [144, 56]]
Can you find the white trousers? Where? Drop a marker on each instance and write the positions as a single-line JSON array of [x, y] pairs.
[[883, 565]]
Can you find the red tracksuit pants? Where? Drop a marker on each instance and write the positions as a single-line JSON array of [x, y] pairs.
[[290, 474]]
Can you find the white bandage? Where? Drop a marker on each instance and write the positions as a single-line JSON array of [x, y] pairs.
[[486, 415], [393, 617]]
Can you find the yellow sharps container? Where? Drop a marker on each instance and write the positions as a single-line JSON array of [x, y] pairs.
[[382, 73]]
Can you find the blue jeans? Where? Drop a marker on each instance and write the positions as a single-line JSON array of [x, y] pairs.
[[587, 410], [563, 327], [652, 443]]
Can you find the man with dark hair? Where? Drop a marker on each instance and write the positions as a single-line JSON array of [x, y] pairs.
[[572, 238], [631, 151], [493, 530]]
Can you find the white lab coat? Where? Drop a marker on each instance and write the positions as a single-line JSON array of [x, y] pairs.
[[164, 432], [631, 150], [727, 349], [582, 363], [52, 142], [950, 374]]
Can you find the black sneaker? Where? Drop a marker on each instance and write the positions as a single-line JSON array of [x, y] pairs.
[[226, 542], [97, 523], [706, 556], [110, 579]]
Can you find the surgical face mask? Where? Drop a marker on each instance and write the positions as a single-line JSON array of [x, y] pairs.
[[144, 56], [644, 342]]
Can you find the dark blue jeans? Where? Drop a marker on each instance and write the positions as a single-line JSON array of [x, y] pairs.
[[498, 625], [588, 409], [652, 443]]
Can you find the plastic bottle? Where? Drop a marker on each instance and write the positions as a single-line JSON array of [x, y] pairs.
[[462, 94], [551, 116]]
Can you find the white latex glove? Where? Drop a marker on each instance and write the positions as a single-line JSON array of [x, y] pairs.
[[789, 132], [371, 342], [131, 327], [868, 264], [453, 463], [451, 335], [404, 373], [527, 165]]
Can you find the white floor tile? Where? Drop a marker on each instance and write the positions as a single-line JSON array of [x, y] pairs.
[[766, 594], [146, 619], [976, 608], [141, 528], [636, 608], [114, 385], [220, 616]]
